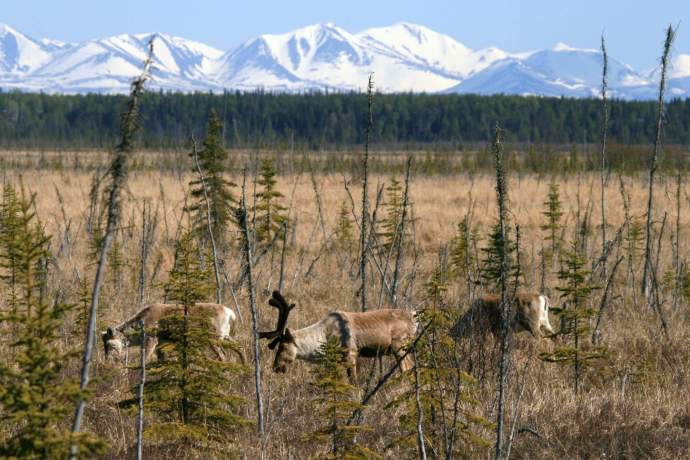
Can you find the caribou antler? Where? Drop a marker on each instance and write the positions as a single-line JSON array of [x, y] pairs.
[[278, 301]]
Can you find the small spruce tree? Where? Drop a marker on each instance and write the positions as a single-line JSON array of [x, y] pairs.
[[634, 240], [576, 290], [36, 398], [462, 249], [491, 264], [389, 235], [553, 212], [336, 402], [270, 212], [82, 308], [189, 393], [9, 234], [212, 160], [344, 231], [438, 387]]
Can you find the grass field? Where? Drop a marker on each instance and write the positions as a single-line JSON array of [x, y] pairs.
[[633, 405]]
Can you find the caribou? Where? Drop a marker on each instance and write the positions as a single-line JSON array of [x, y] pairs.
[[117, 339], [368, 334], [531, 313]]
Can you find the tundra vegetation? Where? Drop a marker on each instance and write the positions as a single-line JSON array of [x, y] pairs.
[[632, 402], [442, 231]]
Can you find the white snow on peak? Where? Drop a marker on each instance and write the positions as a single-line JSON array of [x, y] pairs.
[[20, 54], [427, 48], [324, 56], [55, 44], [560, 46], [403, 57]]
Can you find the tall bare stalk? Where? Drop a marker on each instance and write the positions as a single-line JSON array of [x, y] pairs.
[[364, 240], [140, 392], [420, 415], [317, 198], [401, 234], [282, 256], [247, 249], [653, 164], [149, 222], [655, 302], [516, 409], [604, 302], [501, 193], [118, 178], [604, 131]]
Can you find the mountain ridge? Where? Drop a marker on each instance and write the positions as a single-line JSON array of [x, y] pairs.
[[403, 57]]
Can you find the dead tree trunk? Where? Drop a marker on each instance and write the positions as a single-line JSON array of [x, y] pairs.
[[364, 240], [247, 249], [604, 101], [149, 222], [282, 257], [118, 177], [505, 304], [420, 415], [401, 235], [140, 393], [653, 164]]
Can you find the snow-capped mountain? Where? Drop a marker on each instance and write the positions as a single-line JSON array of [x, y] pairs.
[[559, 71], [326, 56], [403, 57], [429, 49], [20, 54], [109, 64]]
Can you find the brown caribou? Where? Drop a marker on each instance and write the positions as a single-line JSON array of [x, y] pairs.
[[530, 313], [369, 334], [117, 339]]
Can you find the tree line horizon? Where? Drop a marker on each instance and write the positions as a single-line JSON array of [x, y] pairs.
[[317, 120]]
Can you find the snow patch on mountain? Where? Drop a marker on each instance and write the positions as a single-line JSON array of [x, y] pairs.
[[20, 54], [403, 57], [428, 49], [324, 56], [562, 70]]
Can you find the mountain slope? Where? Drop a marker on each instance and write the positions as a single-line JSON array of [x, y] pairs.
[[403, 57], [561, 71], [428, 49], [20, 54], [324, 56], [109, 64], [513, 76]]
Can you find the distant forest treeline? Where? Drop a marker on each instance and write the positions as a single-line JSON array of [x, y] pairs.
[[326, 120]]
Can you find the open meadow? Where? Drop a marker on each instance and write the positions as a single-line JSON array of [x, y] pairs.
[[631, 395]]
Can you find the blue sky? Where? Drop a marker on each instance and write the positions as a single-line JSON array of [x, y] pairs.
[[634, 29]]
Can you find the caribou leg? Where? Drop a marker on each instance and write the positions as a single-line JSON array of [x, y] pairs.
[[406, 361], [352, 366], [239, 354], [218, 350], [150, 347]]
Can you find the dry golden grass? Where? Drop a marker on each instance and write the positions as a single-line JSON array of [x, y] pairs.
[[637, 407]]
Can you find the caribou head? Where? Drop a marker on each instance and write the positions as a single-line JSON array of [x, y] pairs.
[[281, 336], [114, 342]]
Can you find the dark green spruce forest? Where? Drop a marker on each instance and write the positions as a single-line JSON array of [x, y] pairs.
[[320, 120]]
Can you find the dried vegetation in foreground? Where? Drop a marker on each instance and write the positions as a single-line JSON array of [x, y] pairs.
[[632, 404]]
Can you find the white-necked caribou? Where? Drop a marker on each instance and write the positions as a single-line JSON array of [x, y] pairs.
[[369, 334]]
